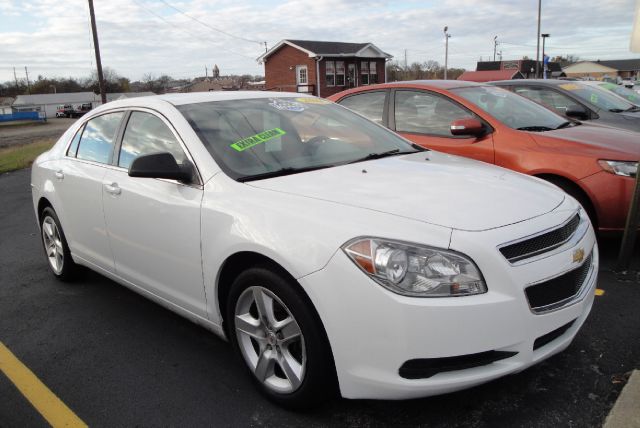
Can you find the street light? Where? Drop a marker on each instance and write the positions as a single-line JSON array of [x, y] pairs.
[[446, 50], [544, 64], [495, 47], [538, 40]]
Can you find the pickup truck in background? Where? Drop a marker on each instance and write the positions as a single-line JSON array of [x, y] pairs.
[[76, 110]]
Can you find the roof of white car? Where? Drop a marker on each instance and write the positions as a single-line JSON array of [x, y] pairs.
[[203, 97]]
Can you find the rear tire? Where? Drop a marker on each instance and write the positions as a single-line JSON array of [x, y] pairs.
[[55, 246], [279, 339]]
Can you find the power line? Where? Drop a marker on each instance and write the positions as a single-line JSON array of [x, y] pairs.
[[189, 32], [210, 27]]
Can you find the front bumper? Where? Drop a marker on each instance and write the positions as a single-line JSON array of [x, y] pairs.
[[373, 331], [611, 197]]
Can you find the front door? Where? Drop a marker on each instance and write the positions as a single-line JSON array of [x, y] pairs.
[[351, 76], [154, 225], [425, 118]]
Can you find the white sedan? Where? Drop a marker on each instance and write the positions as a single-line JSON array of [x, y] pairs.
[[332, 254]]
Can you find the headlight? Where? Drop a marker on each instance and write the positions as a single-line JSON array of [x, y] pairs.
[[415, 270], [625, 168]]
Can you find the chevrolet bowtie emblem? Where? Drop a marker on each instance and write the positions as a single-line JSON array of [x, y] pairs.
[[578, 255]]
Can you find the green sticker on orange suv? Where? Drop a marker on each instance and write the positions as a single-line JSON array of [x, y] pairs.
[[254, 140]]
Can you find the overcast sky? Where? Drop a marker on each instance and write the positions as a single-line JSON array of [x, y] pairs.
[[53, 38]]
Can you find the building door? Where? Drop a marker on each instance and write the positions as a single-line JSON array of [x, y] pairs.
[[302, 78], [351, 75]]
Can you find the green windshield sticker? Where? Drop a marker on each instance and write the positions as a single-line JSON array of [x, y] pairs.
[[254, 140], [594, 98]]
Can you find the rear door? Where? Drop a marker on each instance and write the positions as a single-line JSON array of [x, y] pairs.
[[425, 118], [370, 104], [79, 179], [154, 224]]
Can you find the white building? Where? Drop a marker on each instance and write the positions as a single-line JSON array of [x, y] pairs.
[[49, 102]]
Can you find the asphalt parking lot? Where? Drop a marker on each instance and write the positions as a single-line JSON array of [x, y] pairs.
[[117, 359]]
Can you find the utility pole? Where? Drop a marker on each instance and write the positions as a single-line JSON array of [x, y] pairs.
[[16, 78], [405, 60], [103, 93], [495, 47], [446, 51], [28, 84], [206, 72], [538, 40], [265, 47]]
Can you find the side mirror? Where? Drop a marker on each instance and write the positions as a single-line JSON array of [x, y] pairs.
[[576, 111], [469, 127], [160, 165]]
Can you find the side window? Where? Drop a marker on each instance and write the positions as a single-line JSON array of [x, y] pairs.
[[145, 134], [96, 143], [368, 104], [73, 147], [547, 97], [423, 113], [532, 93]]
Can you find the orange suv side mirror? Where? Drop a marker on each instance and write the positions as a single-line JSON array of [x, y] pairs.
[[472, 127]]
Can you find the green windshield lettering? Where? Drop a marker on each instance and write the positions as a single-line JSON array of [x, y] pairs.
[[254, 140]]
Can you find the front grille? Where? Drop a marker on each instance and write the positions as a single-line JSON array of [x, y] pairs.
[[551, 336], [423, 368], [558, 289], [541, 243]]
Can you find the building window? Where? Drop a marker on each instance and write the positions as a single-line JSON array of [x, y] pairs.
[[302, 74], [368, 73], [364, 72], [330, 73], [339, 73]]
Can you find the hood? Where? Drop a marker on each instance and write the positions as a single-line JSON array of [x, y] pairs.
[[601, 138], [429, 186], [631, 115]]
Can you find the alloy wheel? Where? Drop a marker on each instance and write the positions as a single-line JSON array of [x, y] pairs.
[[53, 244], [270, 340]]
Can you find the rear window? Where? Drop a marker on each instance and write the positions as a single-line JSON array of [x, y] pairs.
[[96, 142]]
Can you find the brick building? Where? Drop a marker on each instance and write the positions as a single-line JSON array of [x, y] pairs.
[[526, 67], [322, 68]]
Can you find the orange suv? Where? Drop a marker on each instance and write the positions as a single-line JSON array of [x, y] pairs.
[[594, 164]]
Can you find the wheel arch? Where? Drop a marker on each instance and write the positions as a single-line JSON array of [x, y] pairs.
[[238, 262], [43, 203], [585, 198]]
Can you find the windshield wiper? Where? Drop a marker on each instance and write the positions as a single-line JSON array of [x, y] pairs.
[[280, 173], [380, 155], [616, 110], [633, 109], [565, 124], [534, 128]]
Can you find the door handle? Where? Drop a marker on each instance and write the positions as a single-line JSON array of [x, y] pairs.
[[113, 188], [59, 174]]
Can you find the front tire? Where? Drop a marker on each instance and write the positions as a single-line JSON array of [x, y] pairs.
[[55, 247], [278, 337]]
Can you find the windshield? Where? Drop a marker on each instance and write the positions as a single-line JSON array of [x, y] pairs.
[[513, 110], [598, 97], [627, 94], [263, 137]]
